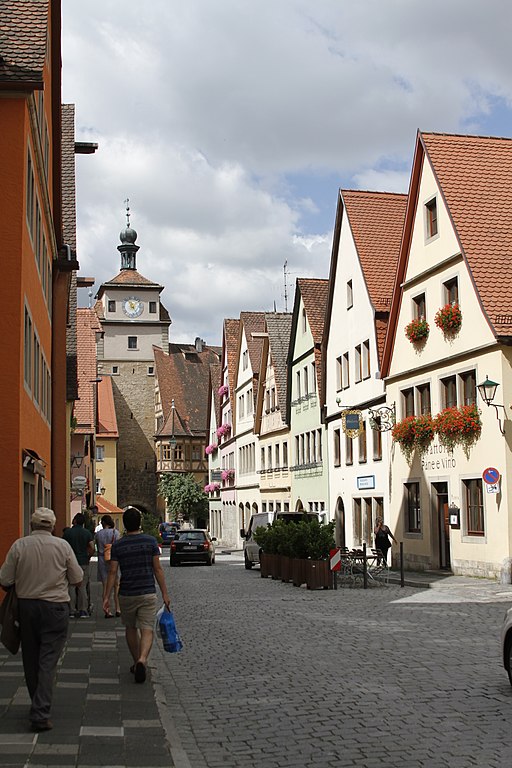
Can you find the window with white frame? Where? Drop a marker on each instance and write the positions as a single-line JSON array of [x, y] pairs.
[[377, 444], [339, 374], [245, 359], [424, 399], [349, 450], [449, 392], [468, 382], [412, 507], [100, 452], [473, 507], [337, 447], [451, 291], [419, 307], [346, 371], [365, 351], [285, 454], [357, 364], [362, 444]]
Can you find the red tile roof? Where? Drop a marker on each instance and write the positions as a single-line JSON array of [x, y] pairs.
[[314, 292], [87, 326], [131, 277], [107, 421], [23, 33], [184, 375], [475, 176], [230, 345], [376, 220]]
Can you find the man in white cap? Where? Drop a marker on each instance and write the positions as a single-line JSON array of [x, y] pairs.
[[41, 567]]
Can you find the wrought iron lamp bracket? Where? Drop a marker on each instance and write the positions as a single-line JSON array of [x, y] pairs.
[[382, 419]]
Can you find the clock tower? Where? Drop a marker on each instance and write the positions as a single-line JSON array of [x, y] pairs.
[[133, 320]]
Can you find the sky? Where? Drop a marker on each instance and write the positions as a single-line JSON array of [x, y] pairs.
[[231, 125]]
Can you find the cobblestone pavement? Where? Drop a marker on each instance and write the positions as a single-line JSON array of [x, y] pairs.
[[278, 677]]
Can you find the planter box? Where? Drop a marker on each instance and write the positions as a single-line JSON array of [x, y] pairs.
[[298, 571], [286, 568], [264, 565], [318, 574]]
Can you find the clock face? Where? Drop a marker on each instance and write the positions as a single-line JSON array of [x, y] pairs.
[[133, 306]]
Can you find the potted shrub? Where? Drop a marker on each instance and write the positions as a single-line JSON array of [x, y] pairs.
[[459, 426], [449, 319], [417, 330]]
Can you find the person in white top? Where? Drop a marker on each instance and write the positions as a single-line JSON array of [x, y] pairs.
[[41, 567]]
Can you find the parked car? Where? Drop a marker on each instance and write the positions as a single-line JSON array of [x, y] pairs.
[[261, 520], [193, 545], [506, 643], [167, 532]]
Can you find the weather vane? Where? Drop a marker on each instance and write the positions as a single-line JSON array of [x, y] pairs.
[[127, 203]]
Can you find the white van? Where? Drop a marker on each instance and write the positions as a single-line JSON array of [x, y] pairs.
[[261, 520]]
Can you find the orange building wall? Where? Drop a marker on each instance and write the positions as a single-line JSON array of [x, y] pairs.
[[23, 425]]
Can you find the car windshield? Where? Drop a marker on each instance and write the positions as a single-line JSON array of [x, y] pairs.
[[192, 536]]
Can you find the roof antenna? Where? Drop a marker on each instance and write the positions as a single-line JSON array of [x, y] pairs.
[[89, 306], [285, 287]]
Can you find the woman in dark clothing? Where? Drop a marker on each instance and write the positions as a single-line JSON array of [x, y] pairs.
[[382, 534]]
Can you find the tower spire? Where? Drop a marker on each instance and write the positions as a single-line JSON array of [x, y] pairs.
[[128, 236]]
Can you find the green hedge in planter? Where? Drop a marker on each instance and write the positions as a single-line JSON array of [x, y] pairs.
[[307, 539]]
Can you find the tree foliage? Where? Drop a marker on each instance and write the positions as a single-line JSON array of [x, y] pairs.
[[184, 497]]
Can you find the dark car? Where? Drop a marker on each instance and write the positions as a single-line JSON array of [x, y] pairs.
[[193, 545], [167, 532]]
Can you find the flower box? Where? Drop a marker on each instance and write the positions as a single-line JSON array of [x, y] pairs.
[[417, 330], [414, 432], [223, 390], [449, 319], [459, 426], [210, 449], [227, 474], [223, 430]]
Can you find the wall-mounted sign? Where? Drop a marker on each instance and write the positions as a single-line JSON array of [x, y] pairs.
[[491, 475], [352, 422], [366, 482], [492, 487]]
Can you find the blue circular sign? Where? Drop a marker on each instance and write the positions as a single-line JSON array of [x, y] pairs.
[[491, 475]]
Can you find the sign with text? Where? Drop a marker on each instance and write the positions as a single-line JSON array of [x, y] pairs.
[[352, 422], [366, 483]]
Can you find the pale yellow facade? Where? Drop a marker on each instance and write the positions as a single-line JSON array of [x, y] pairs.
[[444, 482], [106, 468]]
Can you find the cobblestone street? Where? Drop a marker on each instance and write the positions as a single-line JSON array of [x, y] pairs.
[[276, 676]]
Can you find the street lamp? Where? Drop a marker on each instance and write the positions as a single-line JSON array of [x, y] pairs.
[[487, 390]]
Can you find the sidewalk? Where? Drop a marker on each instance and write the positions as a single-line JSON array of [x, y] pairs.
[[100, 715]]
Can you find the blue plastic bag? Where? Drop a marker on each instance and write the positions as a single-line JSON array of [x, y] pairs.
[[169, 633]]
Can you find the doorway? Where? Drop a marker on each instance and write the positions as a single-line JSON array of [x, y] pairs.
[[340, 523], [440, 502]]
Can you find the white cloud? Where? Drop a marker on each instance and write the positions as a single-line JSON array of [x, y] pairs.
[[202, 108]]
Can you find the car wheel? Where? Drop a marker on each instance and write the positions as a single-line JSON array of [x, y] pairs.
[[508, 657], [247, 562]]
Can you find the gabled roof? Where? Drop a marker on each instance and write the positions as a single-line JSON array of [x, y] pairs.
[[253, 322], [230, 349], [87, 327], [107, 421], [376, 220], [215, 382], [279, 328], [474, 175], [314, 293], [23, 32], [183, 375]]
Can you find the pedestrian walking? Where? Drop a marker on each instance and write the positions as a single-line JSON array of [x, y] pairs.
[[137, 556], [41, 567], [81, 541], [382, 534], [105, 538]]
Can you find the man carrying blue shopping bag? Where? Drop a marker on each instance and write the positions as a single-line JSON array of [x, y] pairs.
[[138, 557], [167, 628]]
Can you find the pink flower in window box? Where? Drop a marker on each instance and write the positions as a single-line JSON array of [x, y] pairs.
[[223, 390], [210, 449]]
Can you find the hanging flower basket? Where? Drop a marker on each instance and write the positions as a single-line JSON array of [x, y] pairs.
[[223, 390], [210, 449], [459, 426], [414, 433], [449, 319], [417, 330], [223, 430]]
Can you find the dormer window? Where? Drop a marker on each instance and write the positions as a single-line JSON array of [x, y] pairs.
[[431, 218]]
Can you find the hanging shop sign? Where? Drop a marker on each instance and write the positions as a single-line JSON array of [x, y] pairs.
[[352, 422]]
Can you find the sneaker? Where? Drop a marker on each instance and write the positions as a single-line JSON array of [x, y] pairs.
[[83, 615], [140, 672]]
